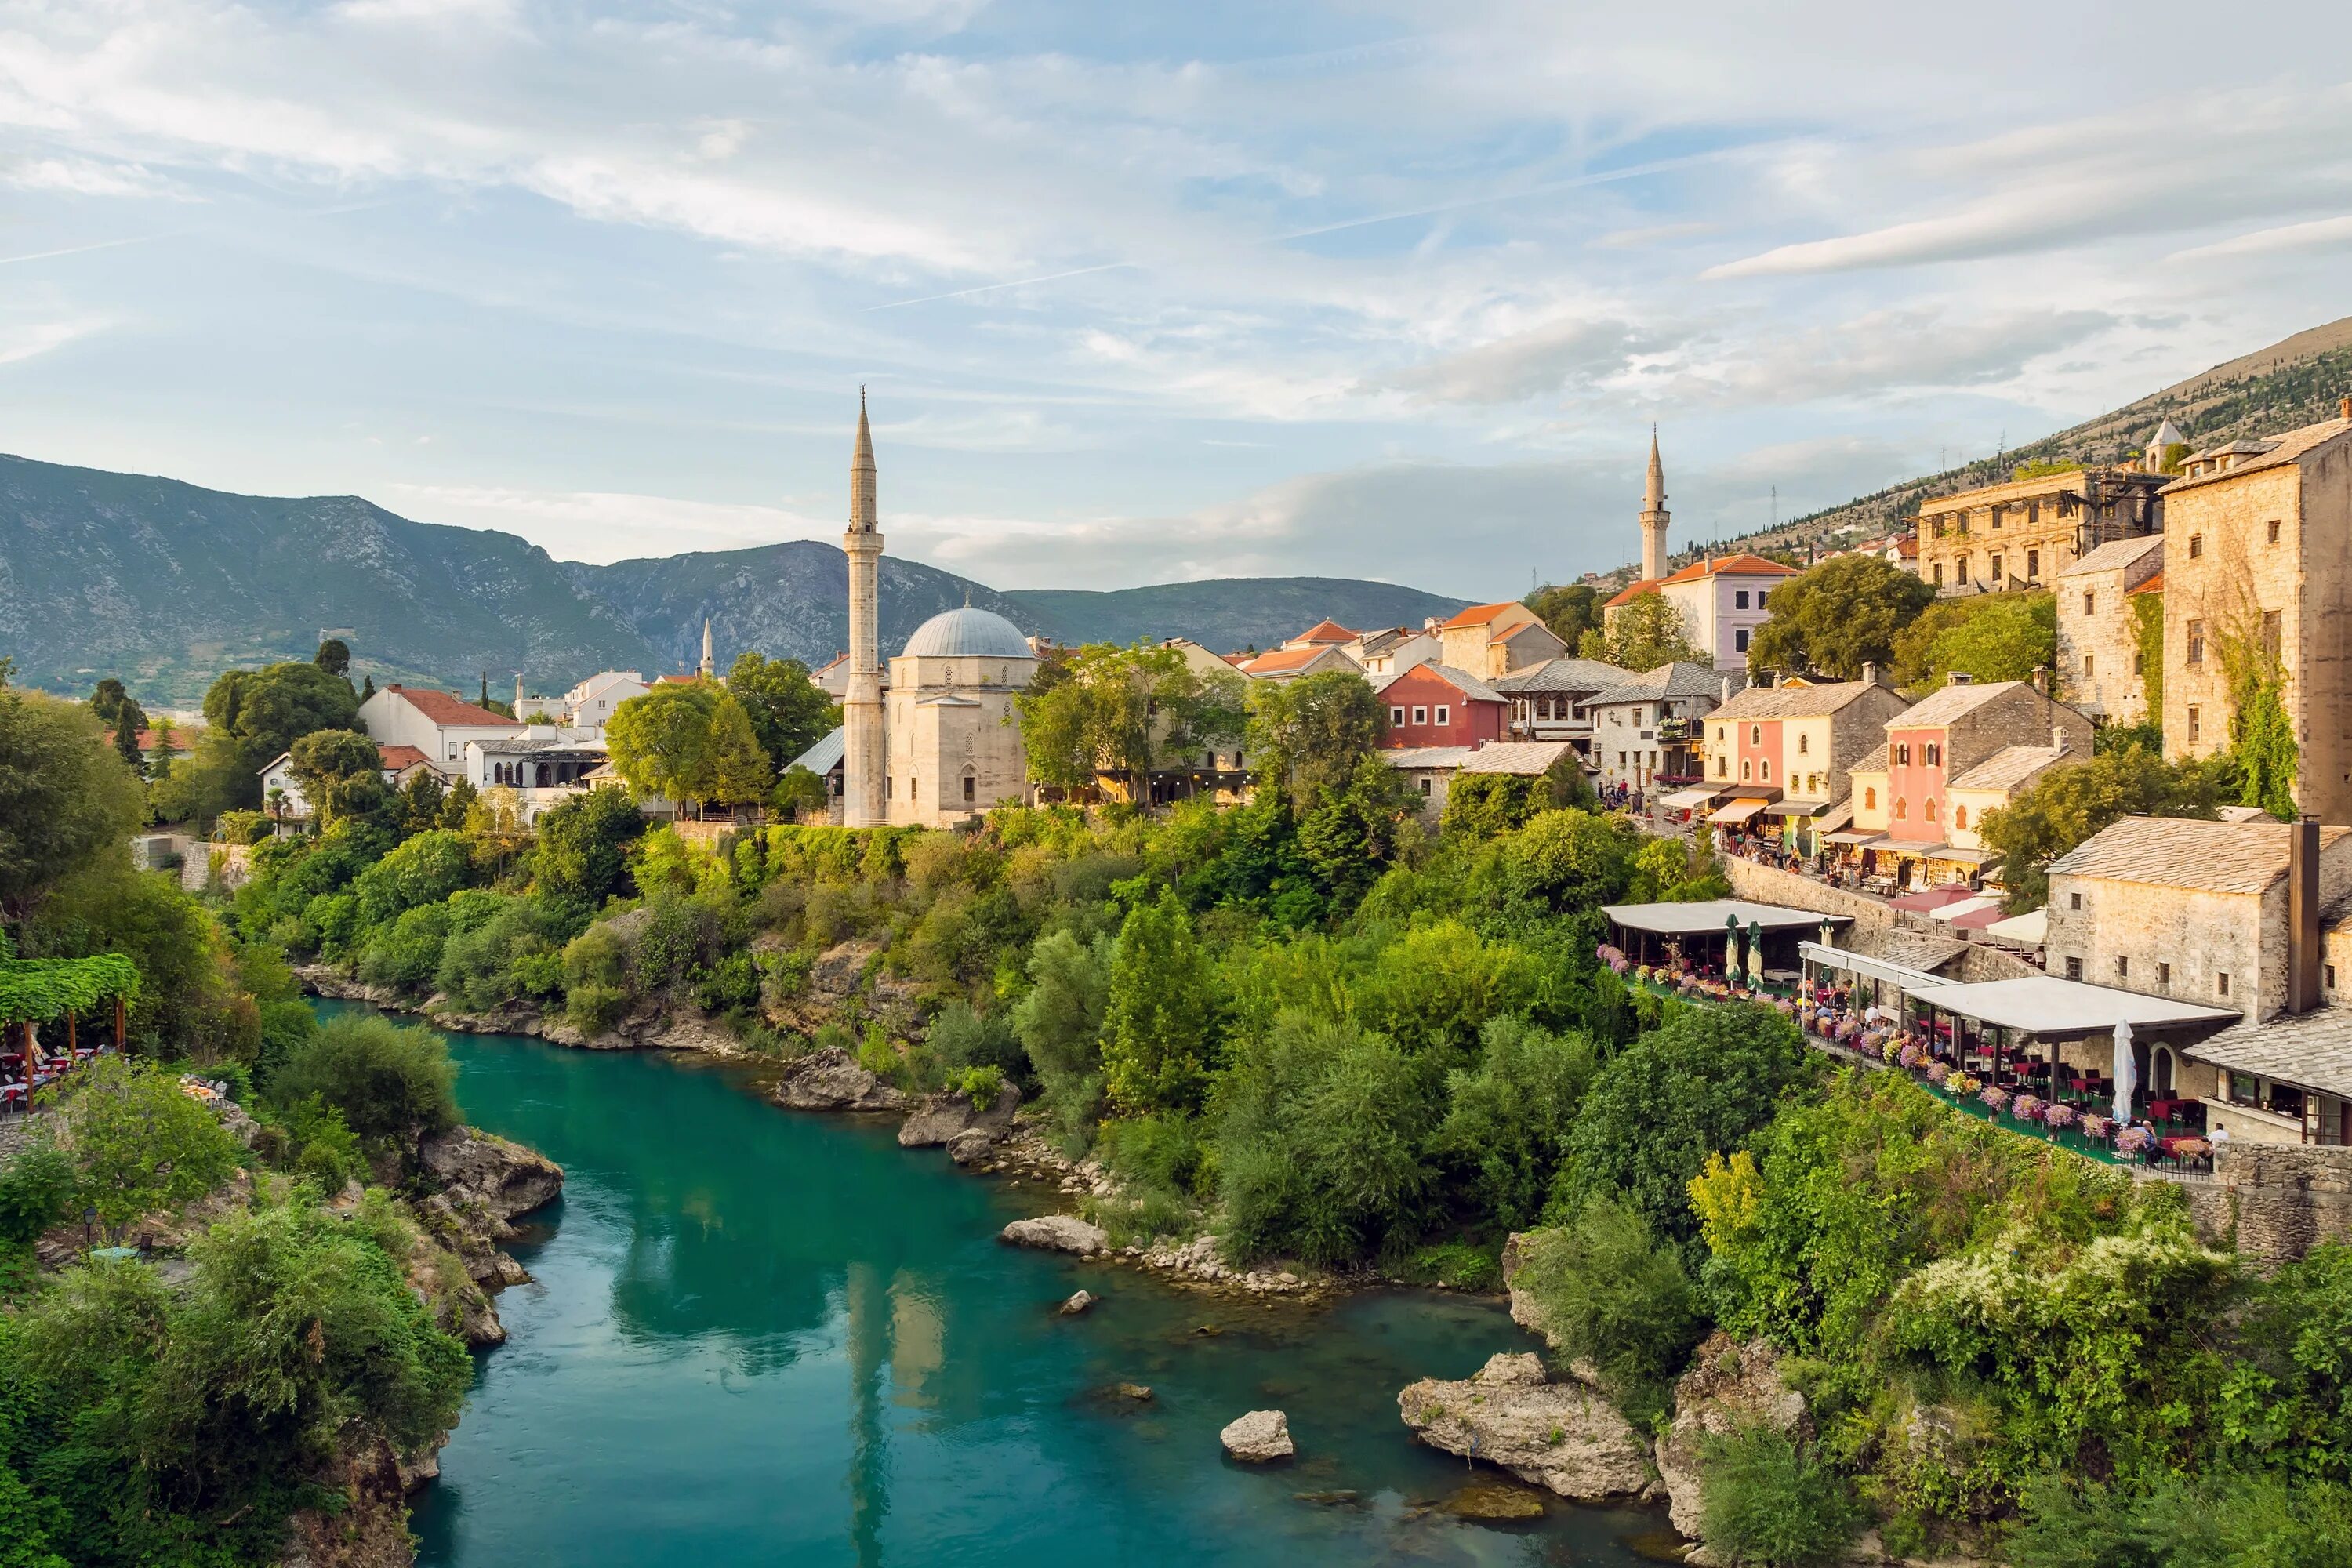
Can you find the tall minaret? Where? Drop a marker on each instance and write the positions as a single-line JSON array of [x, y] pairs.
[[865, 759], [709, 666], [1654, 516]]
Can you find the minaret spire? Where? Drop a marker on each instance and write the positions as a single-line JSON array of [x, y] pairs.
[[865, 762], [1654, 516], [709, 666]]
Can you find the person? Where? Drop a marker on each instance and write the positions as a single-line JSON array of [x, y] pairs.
[[2219, 1138]]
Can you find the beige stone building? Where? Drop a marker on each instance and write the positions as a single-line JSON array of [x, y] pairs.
[[2101, 668], [1492, 640], [1913, 793], [2258, 557], [1786, 752], [2024, 534], [2224, 914], [954, 744]]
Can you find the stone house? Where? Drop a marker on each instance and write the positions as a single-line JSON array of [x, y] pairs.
[[1390, 651], [1492, 640], [543, 766], [1429, 771], [2226, 914], [1551, 700], [2258, 564], [1651, 729], [1290, 663], [1720, 603], [2100, 666], [1995, 782], [2026, 532]]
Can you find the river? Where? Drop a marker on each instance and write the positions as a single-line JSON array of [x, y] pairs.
[[755, 1336]]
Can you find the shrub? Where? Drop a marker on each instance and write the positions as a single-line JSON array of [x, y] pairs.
[[387, 1080], [479, 963], [1608, 1290], [1767, 1503], [140, 1144], [962, 1036], [981, 1086], [36, 1187], [1460, 1265], [242, 826], [2226, 1520], [324, 1145], [1510, 1119], [406, 953]]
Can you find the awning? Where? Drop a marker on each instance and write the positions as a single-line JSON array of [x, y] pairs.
[[1966, 910], [2030, 929], [1901, 975], [1924, 851], [1929, 900], [1853, 835], [1688, 799], [2045, 1006], [1707, 917], [1959, 856], [1738, 811], [1835, 817]]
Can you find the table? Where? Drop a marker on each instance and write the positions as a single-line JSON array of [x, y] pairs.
[[2168, 1109]]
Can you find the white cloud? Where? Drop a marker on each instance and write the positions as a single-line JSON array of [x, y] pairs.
[[30, 339], [2319, 234]]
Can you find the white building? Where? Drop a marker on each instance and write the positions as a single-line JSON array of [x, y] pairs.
[[543, 765], [954, 738], [1389, 653], [401, 764], [434, 722]]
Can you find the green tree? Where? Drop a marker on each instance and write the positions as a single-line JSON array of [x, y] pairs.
[[660, 740], [253, 715], [1985, 636], [425, 869], [584, 844], [387, 1080], [124, 720], [139, 1143], [1644, 633], [1838, 617], [1122, 713], [1572, 860], [334, 656], [741, 771], [340, 773], [1509, 1119], [1352, 836], [1160, 1011], [1771, 1503], [1608, 1290], [1570, 611], [788, 712], [1306, 736], [421, 800], [64, 797], [2069, 803], [1059, 1019]]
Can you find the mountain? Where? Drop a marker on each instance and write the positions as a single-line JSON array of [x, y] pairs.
[[165, 584], [2293, 383], [1226, 614]]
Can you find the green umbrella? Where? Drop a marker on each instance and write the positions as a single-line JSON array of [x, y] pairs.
[[1756, 952], [1731, 947]]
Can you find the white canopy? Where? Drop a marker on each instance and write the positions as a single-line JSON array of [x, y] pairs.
[[1686, 799], [2044, 1004], [2030, 929], [1738, 811], [1965, 907], [1710, 917]]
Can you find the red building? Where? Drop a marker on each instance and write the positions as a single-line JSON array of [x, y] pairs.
[[1437, 705]]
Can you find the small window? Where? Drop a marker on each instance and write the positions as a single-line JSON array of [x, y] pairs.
[[2164, 975], [1901, 809], [1723, 767], [2089, 664], [2327, 975], [2196, 725], [2032, 565], [1766, 775], [1442, 714], [1928, 810], [2271, 531], [1744, 766], [2073, 969], [1870, 800], [969, 785], [890, 788], [2090, 603], [2139, 664], [1424, 789], [1996, 566], [1739, 640], [2221, 982], [2123, 967], [1720, 735], [1959, 817], [1755, 734], [2196, 545], [2074, 902], [1420, 715], [1396, 715], [2196, 642], [1939, 571], [1804, 744], [1739, 599]]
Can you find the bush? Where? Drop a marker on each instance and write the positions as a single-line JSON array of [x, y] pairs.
[[243, 827], [406, 953], [386, 1080], [981, 1086], [484, 965], [1765, 1501], [323, 1146], [962, 1036], [1510, 1119], [1608, 1290], [2222, 1521], [36, 1188]]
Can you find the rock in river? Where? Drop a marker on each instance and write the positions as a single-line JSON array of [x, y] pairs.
[[1559, 1436], [944, 1117], [1259, 1437], [831, 1079], [1056, 1233], [1078, 1302]]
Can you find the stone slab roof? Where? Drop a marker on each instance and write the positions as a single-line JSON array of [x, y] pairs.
[[1680, 678], [2314, 1049], [1563, 674], [2115, 554], [2186, 852], [1952, 704], [1524, 758], [1794, 701], [2012, 766], [2281, 451], [1425, 756], [1462, 680]]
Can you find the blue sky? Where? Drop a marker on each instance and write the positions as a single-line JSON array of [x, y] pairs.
[[1141, 292]]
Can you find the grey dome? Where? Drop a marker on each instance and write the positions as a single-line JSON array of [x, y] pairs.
[[968, 633]]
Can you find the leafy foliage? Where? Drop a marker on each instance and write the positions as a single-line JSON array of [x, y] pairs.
[[2067, 804], [1644, 633], [385, 1079], [1985, 636], [1837, 617]]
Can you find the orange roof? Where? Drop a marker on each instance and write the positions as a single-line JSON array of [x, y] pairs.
[[1742, 565], [1908, 546], [444, 708], [1480, 614], [398, 757], [678, 681], [182, 735], [1237, 657], [2154, 584], [1632, 591], [1284, 658], [1326, 631]]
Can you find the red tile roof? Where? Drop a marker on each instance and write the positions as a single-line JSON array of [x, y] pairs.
[[445, 709], [1741, 565], [1286, 658], [1326, 631], [1481, 615], [183, 737], [398, 757], [678, 681], [2154, 584], [1632, 591]]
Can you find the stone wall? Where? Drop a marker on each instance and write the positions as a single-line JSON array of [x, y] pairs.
[[2097, 647], [1873, 917], [227, 867], [2275, 1201]]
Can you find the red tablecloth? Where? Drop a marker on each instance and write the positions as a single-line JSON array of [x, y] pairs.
[[2168, 1109]]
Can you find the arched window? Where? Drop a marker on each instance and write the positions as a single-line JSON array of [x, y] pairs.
[[1804, 744], [1902, 808], [1744, 765], [1903, 755], [1870, 800], [1959, 817], [971, 784], [1755, 734], [1931, 753], [1894, 754], [1929, 811], [1767, 773], [542, 775]]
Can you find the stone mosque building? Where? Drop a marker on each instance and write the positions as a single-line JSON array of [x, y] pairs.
[[934, 741]]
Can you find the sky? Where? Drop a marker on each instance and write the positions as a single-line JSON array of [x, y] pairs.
[[1139, 292]]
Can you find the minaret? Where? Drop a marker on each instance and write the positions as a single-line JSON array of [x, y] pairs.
[[710, 666], [1654, 516], [865, 759]]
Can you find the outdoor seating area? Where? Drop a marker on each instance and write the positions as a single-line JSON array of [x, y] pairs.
[[26, 1070], [2049, 1059], [42, 1003], [1728, 949]]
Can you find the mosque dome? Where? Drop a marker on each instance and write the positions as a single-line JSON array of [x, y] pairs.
[[968, 633]]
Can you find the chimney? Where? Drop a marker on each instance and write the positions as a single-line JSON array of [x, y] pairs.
[[2041, 678], [1960, 678], [2303, 915], [2057, 737]]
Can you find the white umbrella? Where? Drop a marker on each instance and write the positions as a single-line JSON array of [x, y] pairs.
[[2127, 1071]]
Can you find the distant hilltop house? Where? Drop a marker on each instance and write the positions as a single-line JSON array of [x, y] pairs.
[[2025, 533], [543, 765], [1489, 641], [437, 723], [281, 792], [589, 704]]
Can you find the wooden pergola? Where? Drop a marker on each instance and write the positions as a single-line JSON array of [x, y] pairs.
[[34, 991]]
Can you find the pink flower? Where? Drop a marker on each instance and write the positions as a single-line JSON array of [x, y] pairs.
[[1996, 1098]]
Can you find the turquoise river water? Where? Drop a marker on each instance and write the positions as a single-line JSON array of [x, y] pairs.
[[755, 1336]]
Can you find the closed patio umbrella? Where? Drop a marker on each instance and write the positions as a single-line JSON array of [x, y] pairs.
[[1756, 952], [2127, 1071], [1731, 947]]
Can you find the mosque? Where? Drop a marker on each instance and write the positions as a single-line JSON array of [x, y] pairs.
[[934, 741]]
